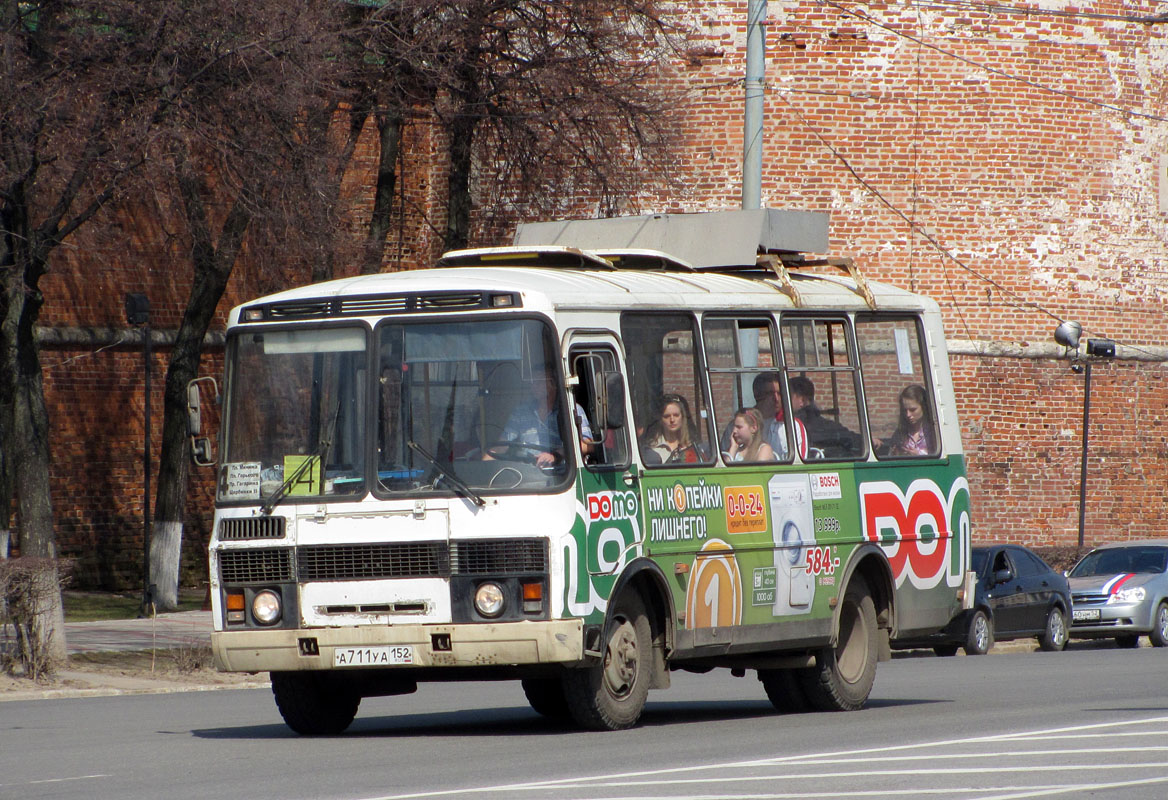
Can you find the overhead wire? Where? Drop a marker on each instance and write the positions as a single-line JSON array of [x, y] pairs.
[[991, 70], [995, 8], [1018, 300]]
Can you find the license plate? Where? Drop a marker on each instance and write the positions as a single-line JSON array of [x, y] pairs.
[[1086, 614], [373, 656]]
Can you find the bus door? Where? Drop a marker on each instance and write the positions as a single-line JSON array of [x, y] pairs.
[[609, 532]]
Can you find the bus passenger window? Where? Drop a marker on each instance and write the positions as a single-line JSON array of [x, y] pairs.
[[743, 378], [669, 403], [821, 381], [901, 415]]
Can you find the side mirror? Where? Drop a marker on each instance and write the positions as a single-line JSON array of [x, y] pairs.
[[614, 400], [201, 453], [194, 410], [1003, 576]]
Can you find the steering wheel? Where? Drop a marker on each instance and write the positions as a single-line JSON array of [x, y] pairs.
[[531, 452]]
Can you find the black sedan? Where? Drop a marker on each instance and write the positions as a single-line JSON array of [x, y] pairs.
[[1018, 596]]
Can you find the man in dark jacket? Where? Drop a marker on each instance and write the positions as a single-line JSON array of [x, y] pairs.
[[834, 439]]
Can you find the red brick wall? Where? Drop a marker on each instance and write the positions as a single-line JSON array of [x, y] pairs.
[[1047, 204]]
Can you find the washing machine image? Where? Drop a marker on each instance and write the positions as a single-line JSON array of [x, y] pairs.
[[793, 532]]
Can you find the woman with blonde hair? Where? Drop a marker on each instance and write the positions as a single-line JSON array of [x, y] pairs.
[[747, 442]]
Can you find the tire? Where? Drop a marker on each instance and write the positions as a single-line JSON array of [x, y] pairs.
[[945, 650], [784, 690], [1128, 641], [842, 677], [1159, 632], [546, 697], [609, 695], [1054, 635], [314, 703], [980, 636]]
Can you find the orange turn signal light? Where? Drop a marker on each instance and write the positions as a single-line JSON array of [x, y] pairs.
[[235, 601], [533, 591]]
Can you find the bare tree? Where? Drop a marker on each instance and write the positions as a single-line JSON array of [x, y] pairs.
[[78, 98], [554, 92], [242, 152], [531, 95]]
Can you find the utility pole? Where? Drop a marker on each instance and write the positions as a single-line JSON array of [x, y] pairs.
[[138, 315], [753, 115]]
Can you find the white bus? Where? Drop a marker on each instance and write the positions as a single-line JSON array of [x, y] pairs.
[[583, 468]]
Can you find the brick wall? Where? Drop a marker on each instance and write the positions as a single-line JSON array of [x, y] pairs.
[[967, 123]]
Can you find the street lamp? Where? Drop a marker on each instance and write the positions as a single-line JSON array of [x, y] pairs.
[[1068, 334], [138, 315]]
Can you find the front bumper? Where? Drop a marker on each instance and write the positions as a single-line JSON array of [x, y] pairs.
[[1115, 620], [474, 645]]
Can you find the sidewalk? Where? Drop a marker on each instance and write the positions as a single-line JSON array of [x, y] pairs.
[[163, 632], [132, 656]]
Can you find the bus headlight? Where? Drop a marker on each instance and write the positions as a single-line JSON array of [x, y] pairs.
[[488, 599], [265, 607]]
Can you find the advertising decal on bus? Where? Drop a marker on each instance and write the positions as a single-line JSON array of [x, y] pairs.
[[602, 541], [921, 529]]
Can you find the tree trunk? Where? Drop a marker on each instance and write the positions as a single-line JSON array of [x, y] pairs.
[[212, 267], [389, 135], [24, 424], [458, 200]]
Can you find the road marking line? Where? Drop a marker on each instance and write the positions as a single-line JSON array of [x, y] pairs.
[[789, 760], [814, 760], [39, 781], [1082, 787]]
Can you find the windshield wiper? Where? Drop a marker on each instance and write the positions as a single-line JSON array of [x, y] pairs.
[[290, 481], [321, 451], [450, 477]]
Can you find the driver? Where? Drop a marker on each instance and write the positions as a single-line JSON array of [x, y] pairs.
[[535, 423]]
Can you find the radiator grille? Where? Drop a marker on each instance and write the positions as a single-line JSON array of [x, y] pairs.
[[243, 528], [354, 562], [267, 565], [498, 556], [365, 562]]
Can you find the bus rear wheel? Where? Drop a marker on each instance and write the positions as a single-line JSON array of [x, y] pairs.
[[842, 677], [610, 694], [784, 690], [314, 703]]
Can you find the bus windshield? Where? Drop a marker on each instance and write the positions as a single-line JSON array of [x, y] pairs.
[[463, 407], [476, 403], [295, 413]]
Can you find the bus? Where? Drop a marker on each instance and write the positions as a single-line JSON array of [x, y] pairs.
[[583, 468]]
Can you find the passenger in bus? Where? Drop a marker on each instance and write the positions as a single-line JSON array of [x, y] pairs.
[[914, 429], [746, 437], [827, 435], [768, 398], [671, 438]]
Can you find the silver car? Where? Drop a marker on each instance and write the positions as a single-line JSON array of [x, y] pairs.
[[1120, 591]]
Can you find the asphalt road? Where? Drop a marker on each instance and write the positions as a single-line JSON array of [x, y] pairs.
[[1090, 722]]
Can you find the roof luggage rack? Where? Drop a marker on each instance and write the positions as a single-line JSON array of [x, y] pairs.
[[779, 266]]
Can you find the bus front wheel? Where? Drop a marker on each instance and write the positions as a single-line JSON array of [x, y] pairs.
[[610, 694], [314, 703], [546, 697], [842, 677]]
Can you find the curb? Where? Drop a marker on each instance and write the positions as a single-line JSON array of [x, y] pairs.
[[111, 691]]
